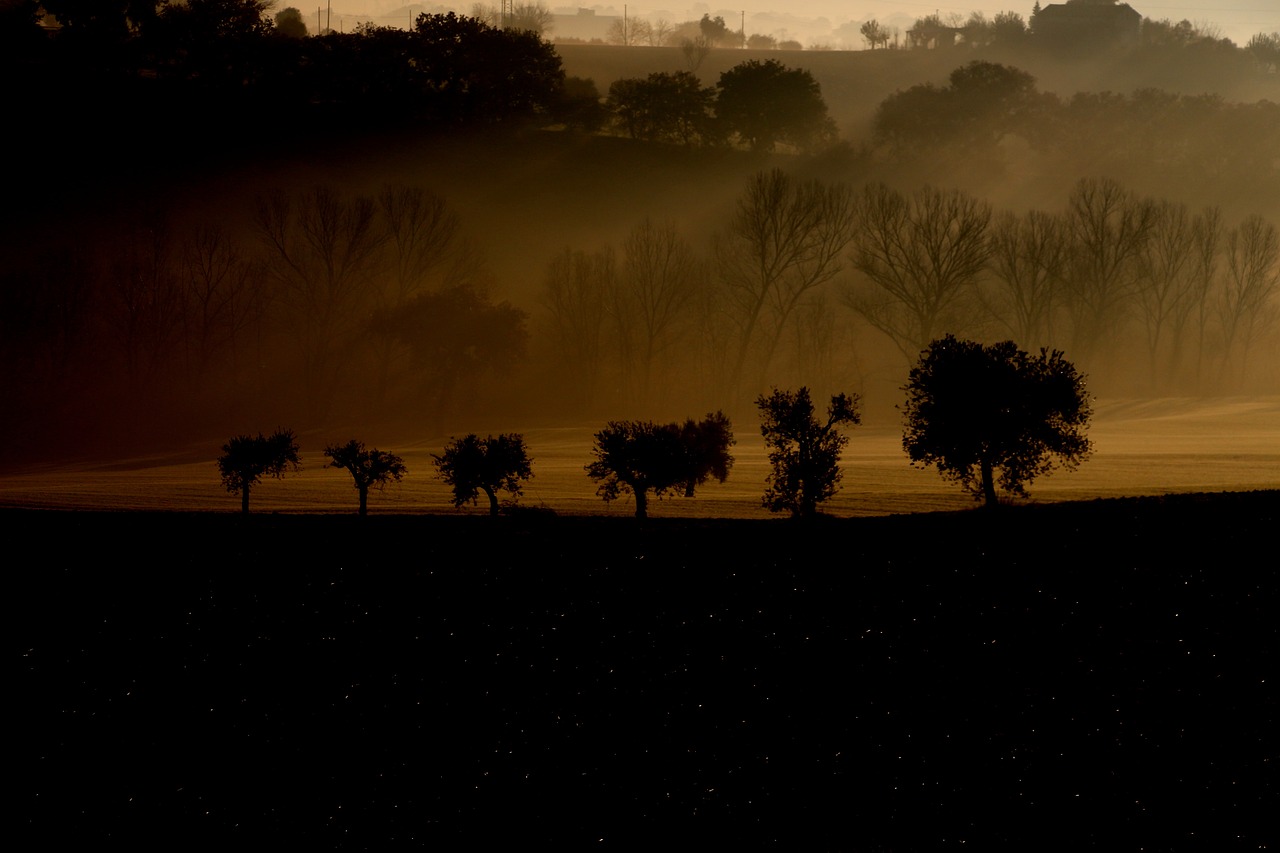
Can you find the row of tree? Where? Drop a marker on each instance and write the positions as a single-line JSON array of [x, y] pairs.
[[985, 416], [757, 104], [1116, 277], [469, 465]]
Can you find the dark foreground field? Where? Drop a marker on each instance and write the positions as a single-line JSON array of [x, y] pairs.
[[1088, 675]]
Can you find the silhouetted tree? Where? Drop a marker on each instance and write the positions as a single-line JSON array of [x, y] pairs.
[[714, 30], [804, 451], [579, 106], [694, 50], [874, 33], [982, 103], [289, 23], [471, 465], [247, 459], [988, 415], [370, 469], [639, 457], [766, 103]]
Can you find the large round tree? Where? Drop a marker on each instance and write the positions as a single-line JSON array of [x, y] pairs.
[[765, 103], [988, 415]]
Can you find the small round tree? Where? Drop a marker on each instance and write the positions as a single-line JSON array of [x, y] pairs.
[[472, 465], [370, 469], [247, 459], [995, 415]]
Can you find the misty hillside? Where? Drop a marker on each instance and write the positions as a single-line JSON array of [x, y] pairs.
[[104, 203]]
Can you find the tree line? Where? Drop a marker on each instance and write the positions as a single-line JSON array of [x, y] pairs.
[[984, 416]]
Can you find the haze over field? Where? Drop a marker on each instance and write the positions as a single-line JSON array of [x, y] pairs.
[[159, 307], [1142, 448]]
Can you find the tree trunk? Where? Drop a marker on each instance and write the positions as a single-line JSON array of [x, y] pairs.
[[244, 499], [989, 485], [364, 500], [493, 502], [642, 503]]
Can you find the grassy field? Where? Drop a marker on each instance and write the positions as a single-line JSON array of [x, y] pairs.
[[1084, 675]]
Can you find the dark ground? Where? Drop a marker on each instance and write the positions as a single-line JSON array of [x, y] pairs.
[[1076, 676]]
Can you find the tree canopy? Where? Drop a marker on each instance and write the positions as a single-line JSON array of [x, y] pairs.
[[804, 452], [639, 457], [370, 469], [766, 103], [988, 415], [247, 459], [470, 465]]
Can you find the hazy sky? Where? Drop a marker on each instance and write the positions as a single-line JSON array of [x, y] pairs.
[[1236, 19]]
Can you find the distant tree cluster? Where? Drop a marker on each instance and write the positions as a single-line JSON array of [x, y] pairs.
[[986, 106], [642, 458], [231, 61], [759, 105]]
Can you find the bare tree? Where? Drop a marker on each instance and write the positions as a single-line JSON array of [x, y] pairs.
[[530, 17], [369, 469], [486, 13], [322, 251], [222, 296], [1206, 235], [146, 302], [576, 293], [660, 31], [1166, 281], [1028, 255], [694, 50], [659, 279], [786, 239], [1246, 305], [1109, 228], [921, 257], [875, 34]]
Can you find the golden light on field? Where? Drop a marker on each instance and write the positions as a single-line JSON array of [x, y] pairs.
[[1148, 447]]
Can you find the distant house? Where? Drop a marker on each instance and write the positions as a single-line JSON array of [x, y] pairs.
[[1086, 24]]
